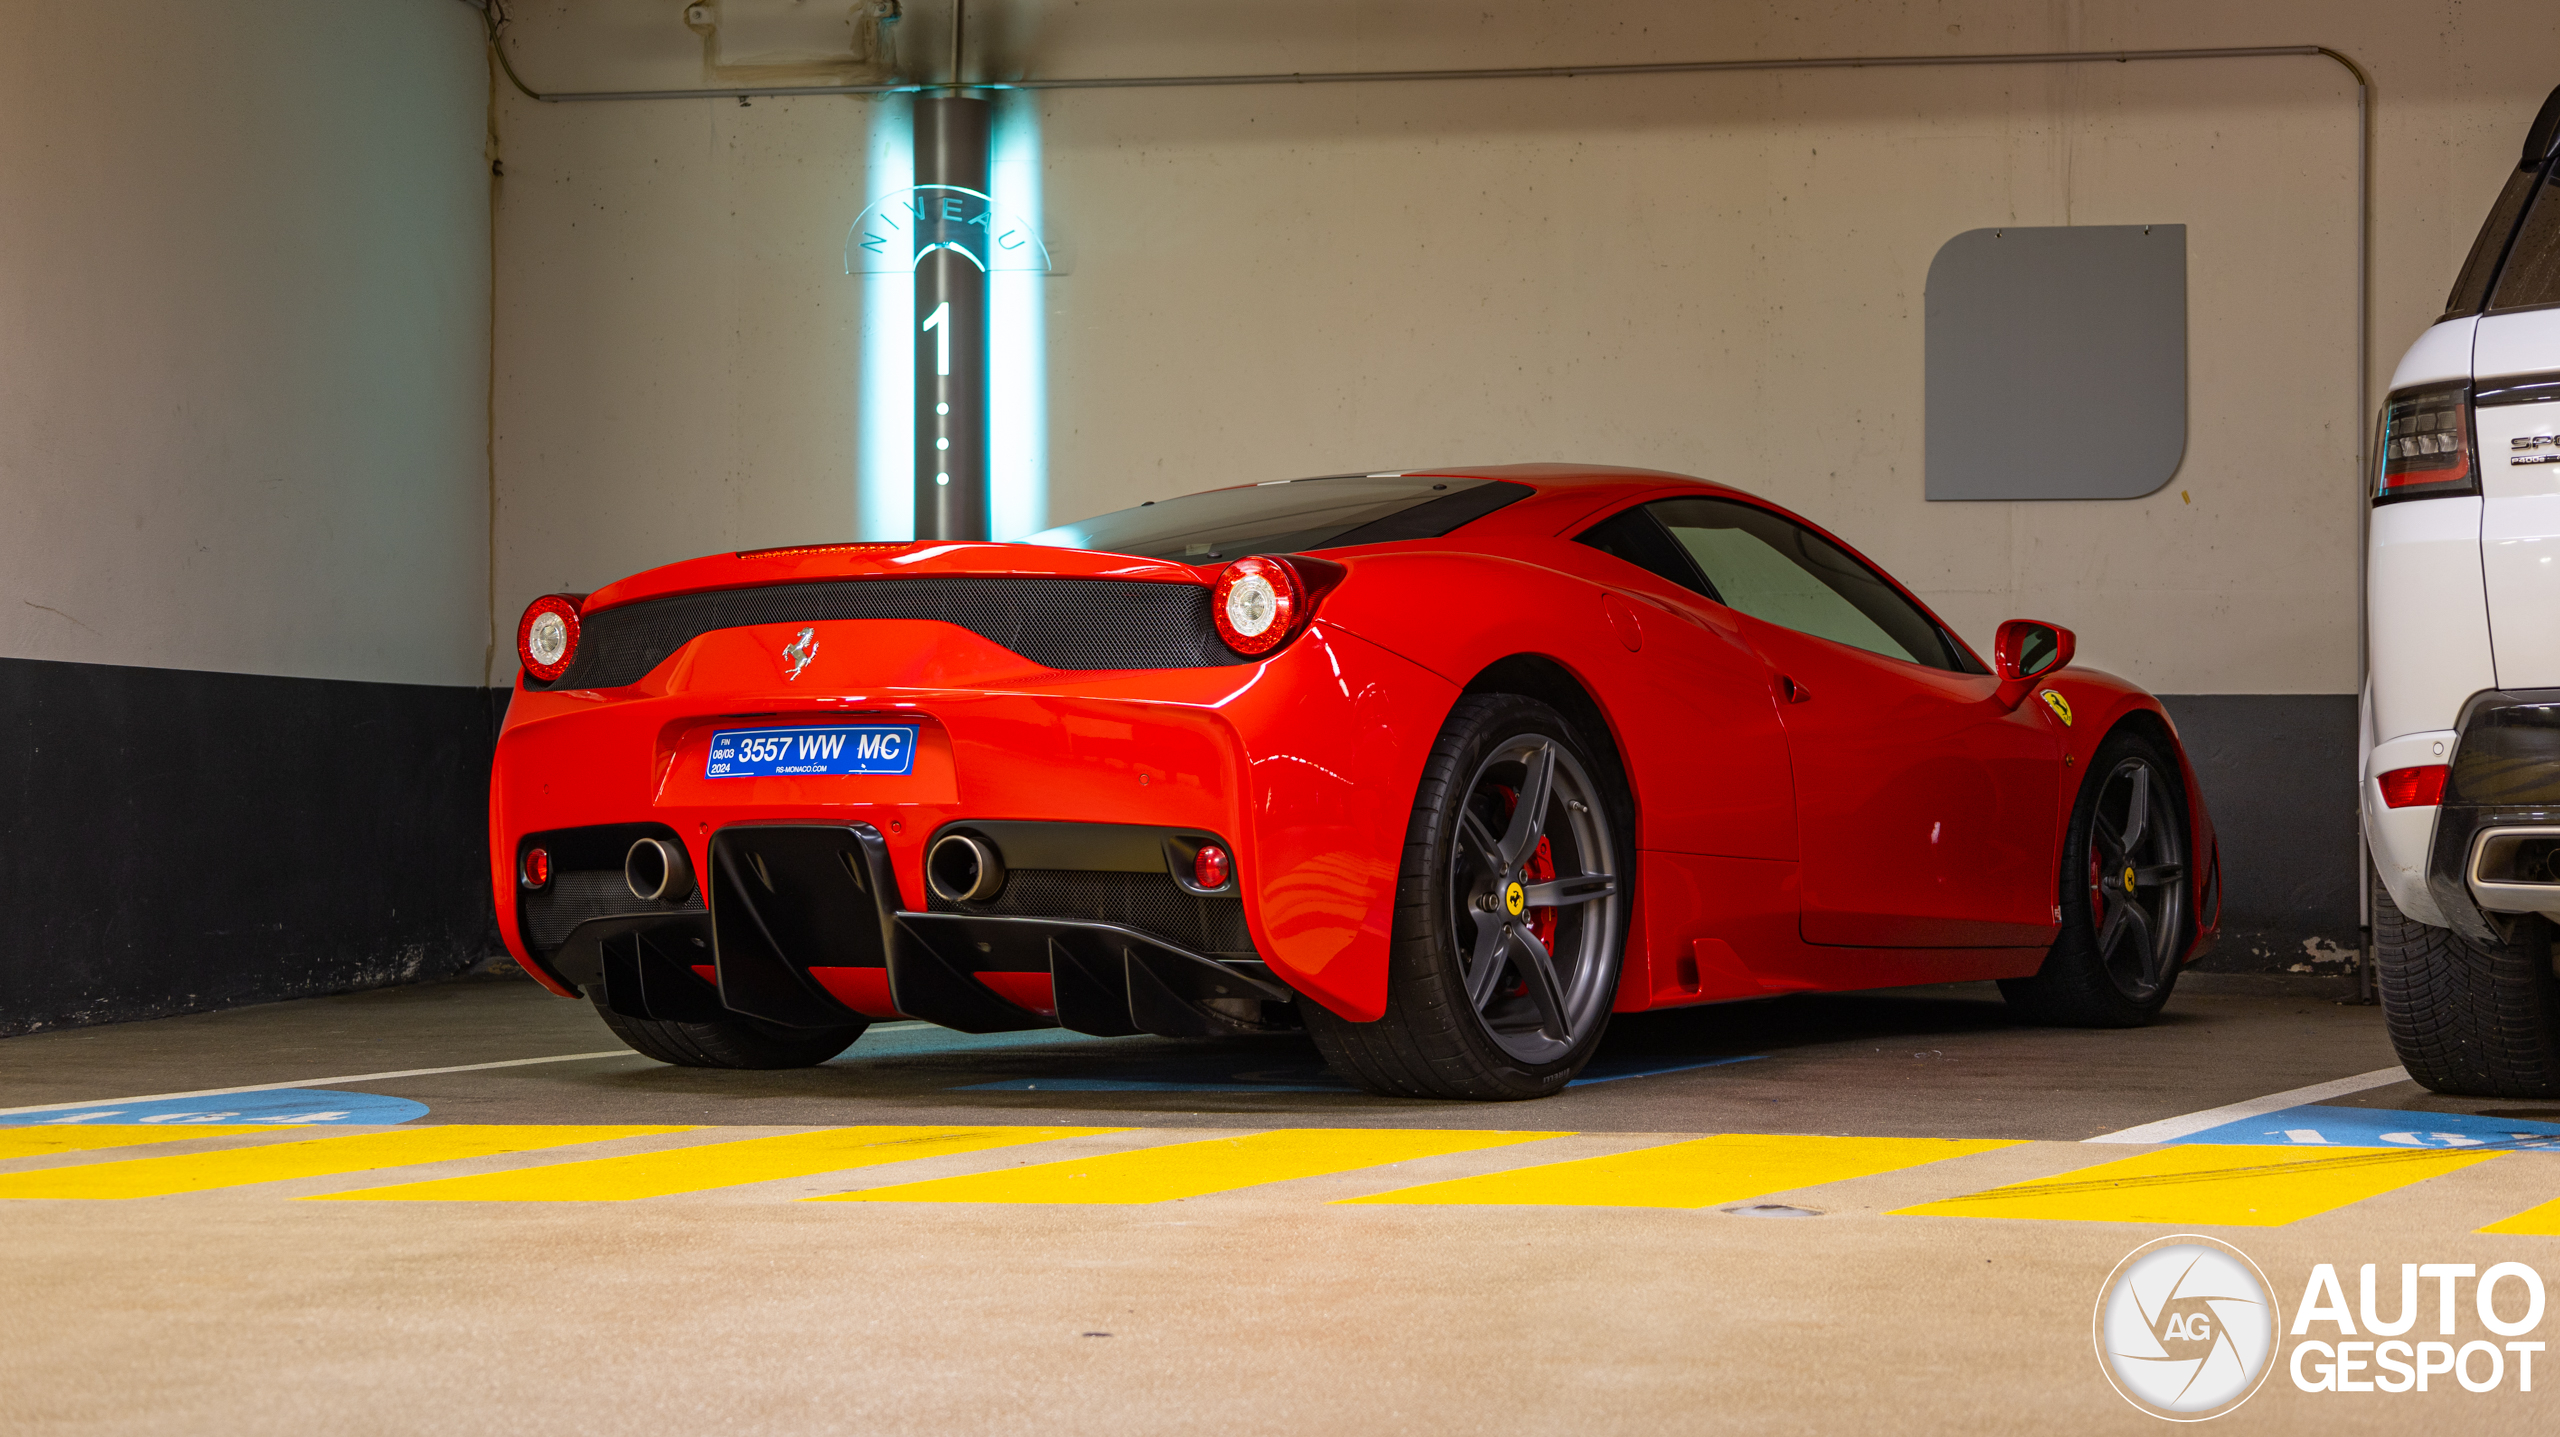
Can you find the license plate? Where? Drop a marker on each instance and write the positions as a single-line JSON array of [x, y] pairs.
[[822, 751]]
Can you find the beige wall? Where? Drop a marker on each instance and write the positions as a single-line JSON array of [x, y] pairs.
[[1720, 275], [244, 259]]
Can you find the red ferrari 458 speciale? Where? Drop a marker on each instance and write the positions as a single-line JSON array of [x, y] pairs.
[[1444, 766]]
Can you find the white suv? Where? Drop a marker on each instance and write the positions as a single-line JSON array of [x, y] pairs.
[[2461, 710]]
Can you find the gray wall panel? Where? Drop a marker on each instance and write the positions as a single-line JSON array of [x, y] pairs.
[[2057, 362]]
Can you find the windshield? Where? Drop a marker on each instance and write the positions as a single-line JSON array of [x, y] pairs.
[[1288, 517]]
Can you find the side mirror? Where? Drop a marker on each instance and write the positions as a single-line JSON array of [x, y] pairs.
[[2025, 651]]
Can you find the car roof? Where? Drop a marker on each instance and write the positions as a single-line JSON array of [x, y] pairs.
[[1569, 493]]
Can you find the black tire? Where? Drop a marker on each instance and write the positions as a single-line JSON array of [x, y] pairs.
[[2469, 1018], [739, 1042], [2126, 895], [1525, 1025]]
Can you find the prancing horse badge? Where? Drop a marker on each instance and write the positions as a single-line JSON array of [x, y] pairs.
[[2061, 706], [797, 654]]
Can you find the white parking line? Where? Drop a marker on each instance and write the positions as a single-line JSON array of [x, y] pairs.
[[322, 1082], [2171, 1129]]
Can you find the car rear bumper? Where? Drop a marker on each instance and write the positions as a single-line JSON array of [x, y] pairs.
[[1303, 766], [804, 929], [2502, 794]]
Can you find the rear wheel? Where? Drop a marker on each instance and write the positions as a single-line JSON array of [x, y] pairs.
[[1510, 917], [2481, 1020], [738, 1042], [2124, 897]]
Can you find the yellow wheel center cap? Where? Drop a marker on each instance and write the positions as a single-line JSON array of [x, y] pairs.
[[2128, 879], [1516, 899]]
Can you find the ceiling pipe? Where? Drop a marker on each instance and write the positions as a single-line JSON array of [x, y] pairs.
[[1372, 77]]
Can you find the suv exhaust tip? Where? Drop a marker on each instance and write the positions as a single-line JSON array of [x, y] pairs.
[[2516, 870]]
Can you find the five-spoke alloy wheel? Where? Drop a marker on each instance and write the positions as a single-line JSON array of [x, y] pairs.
[[2125, 902], [1510, 919]]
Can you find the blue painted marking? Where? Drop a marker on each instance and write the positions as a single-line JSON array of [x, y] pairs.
[[2314, 1125], [1309, 1079], [1142, 1085], [949, 1042], [1609, 1072], [290, 1106]]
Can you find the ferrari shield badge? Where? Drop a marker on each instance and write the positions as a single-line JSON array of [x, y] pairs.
[[797, 654], [2061, 706]]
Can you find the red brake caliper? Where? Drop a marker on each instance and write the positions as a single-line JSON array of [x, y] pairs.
[[1540, 868]]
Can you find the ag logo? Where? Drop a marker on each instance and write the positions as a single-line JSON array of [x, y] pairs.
[[2061, 706], [2185, 1328], [797, 654]]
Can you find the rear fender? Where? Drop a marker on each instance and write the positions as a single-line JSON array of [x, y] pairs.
[[502, 883], [1335, 733], [1681, 692]]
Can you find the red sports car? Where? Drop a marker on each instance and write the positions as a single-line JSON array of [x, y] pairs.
[[1445, 767]]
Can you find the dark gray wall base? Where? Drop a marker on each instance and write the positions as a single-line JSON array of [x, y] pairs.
[[172, 841], [2278, 771]]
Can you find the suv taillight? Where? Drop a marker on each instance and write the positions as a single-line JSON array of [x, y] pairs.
[[2426, 444]]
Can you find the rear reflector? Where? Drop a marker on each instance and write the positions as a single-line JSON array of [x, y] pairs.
[[537, 868], [1210, 868], [2421, 787]]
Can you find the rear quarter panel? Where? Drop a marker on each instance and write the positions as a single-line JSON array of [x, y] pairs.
[[1690, 712], [1334, 734]]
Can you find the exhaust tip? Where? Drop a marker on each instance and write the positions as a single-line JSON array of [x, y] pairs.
[[658, 871], [963, 868]]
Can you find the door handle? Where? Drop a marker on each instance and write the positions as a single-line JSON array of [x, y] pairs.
[[1791, 691]]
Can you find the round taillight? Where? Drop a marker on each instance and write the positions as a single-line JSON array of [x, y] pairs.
[[1256, 603], [536, 868], [1210, 867], [547, 637]]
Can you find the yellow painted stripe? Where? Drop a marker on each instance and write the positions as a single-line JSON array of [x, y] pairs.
[[2543, 1221], [1183, 1170], [1721, 1169], [322, 1157], [41, 1140], [711, 1165], [2211, 1183]]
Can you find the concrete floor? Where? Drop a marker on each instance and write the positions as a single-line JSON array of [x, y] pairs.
[[1274, 1305]]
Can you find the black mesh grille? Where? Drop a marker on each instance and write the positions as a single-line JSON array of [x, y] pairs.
[[1148, 902], [575, 895], [1061, 623]]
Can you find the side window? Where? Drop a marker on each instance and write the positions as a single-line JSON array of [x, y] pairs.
[[2530, 277], [2471, 287], [1636, 538], [1782, 573]]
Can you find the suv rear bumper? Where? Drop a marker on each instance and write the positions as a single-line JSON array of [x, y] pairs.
[[2504, 785]]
